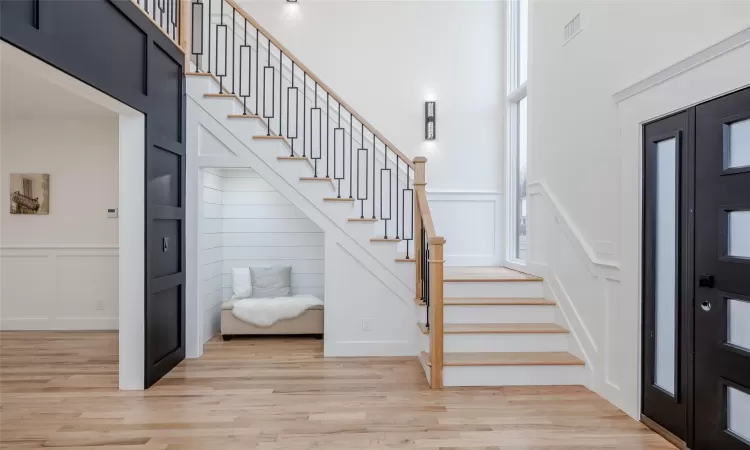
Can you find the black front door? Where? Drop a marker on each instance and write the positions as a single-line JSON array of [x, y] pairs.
[[722, 273], [666, 296]]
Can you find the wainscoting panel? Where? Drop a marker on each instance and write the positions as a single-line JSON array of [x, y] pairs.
[[471, 224], [59, 288]]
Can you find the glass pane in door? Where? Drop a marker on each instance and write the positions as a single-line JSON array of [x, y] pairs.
[[737, 142], [739, 234], [666, 267], [738, 324], [738, 413]]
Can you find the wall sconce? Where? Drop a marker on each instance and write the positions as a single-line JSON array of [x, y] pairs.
[[291, 1], [429, 121]]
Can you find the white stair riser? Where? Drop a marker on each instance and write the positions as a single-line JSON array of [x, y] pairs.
[[523, 289], [505, 342], [514, 375], [499, 314]]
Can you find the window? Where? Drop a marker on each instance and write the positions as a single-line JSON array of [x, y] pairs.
[[517, 113]]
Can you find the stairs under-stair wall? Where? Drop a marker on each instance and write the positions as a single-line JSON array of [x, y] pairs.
[[488, 326]]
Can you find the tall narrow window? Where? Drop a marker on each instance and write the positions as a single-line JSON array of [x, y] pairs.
[[517, 102]]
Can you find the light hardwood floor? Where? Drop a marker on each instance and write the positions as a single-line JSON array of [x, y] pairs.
[[60, 390]]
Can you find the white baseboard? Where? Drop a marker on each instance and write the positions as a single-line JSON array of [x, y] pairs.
[[60, 324]]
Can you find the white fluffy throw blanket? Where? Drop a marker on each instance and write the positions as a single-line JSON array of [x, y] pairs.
[[264, 312]]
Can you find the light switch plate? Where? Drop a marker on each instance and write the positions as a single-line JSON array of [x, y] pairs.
[[112, 213]]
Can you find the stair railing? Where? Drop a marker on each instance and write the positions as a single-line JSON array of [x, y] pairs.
[[429, 251], [297, 106], [223, 41]]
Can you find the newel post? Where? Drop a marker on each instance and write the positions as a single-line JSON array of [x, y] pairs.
[[419, 184], [436, 311], [185, 30]]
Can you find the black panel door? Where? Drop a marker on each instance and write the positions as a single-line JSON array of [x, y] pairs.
[[666, 295], [165, 227], [722, 291]]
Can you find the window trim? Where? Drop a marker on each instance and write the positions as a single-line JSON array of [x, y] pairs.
[[515, 93]]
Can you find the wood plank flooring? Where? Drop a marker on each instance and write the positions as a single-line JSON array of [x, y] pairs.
[[60, 390]]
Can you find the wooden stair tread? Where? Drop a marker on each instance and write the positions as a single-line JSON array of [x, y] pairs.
[[336, 199], [219, 95], [268, 137], [489, 301], [243, 116], [508, 359], [498, 328], [404, 260], [485, 275], [385, 240], [362, 219], [292, 158], [314, 179]]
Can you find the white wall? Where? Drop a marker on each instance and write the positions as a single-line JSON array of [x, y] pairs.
[[60, 271], [584, 214], [248, 222], [386, 58], [573, 117]]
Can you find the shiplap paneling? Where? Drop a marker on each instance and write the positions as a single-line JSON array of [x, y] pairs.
[[248, 223], [211, 252], [261, 227]]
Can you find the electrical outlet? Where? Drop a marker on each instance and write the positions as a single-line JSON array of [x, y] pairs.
[[366, 324]]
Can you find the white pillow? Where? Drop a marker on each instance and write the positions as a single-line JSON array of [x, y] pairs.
[[242, 286]]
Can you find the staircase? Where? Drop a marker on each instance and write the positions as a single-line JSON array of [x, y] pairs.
[[499, 330], [477, 326]]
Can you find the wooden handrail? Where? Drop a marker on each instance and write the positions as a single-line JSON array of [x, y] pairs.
[[311, 75], [424, 211]]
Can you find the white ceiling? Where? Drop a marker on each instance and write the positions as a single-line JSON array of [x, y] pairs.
[[24, 95]]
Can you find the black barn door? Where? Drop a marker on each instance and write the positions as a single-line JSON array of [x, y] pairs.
[[722, 292]]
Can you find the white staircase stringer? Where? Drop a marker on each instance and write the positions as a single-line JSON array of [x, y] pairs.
[[245, 157]]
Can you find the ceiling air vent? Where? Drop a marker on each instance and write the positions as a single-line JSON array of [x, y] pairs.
[[572, 28]]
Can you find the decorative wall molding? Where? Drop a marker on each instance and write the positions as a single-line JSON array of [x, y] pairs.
[[586, 288], [727, 45], [471, 222], [60, 287]]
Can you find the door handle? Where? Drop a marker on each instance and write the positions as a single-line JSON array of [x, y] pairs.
[[706, 281]]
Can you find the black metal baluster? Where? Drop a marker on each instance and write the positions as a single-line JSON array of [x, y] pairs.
[[281, 95], [385, 171], [234, 23], [265, 90], [209, 35], [328, 127], [320, 133], [397, 234], [304, 111], [289, 108], [374, 187], [351, 154], [257, 71], [408, 191], [246, 93], [339, 175], [197, 45], [361, 197], [175, 17], [223, 72]]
